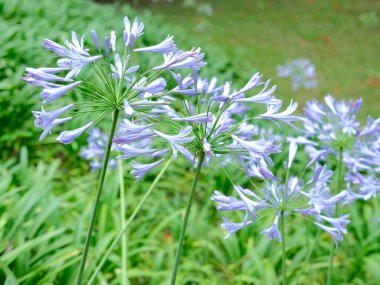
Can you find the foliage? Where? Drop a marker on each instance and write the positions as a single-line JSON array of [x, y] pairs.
[[43, 220], [44, 212]]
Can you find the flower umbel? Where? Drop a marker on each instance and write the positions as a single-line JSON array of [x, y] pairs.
[[105, 80], [301, 71], [312, 198]]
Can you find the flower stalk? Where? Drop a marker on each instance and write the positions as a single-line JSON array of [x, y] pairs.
[[185, 220], [128, 222], [339, 185], [122, 222], [284, 281], [97, 199]]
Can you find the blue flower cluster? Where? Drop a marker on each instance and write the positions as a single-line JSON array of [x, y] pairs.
[[301, 71], [329, 130], [170, 111]]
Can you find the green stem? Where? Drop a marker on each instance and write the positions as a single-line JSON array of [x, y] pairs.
[[339, 186], [134, 214], [185, 220], [284, 281], [97, 199], [122, 219], [329, 273]]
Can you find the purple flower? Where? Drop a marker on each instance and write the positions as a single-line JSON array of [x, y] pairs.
[[252, 83], [131, 152], [244, 204], [284, 116], [260, 147], [67, 137], [76, 65], [160, 153], [339, 223], [95, 151], [166, 46], [273, 231], [51, 94], [132, 137], [264, 96], [97, 142], [96, 40], [301, 71], [287, 198], [292, 152], [44, 118], [73, 49], [225, 203], [181, 59], [39, 83], [48, 128], [139, 170], [75, 56], [48, 120], [175, 141], [128, 110], [366, 186], [332, 231], [183, 85], [372, 127], [331, 121], [113, 41], [197, 119], [52, 70], [231, 227], [107, 46], [209, 87], [154, 87], [75, 46], [117, 69], [132, 69], [56, 48], [333, 127], [39, 75], [132, 32], [181, 137], [135, 127], [207, 147], [114, 85]]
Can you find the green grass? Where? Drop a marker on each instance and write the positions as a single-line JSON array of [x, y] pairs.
[[44, 217], [46, 192], [259, 35]]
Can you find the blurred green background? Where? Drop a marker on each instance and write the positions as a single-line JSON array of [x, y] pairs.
[[46, 191], [340, 37]]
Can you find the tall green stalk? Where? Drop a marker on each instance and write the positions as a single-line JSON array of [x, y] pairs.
[[283, 243], [339, 186], [185, 220], [128, 222], [97, 199], [122, 222]]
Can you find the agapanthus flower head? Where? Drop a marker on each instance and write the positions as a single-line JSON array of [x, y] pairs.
[[301, 71], [292, 196], [196, 117], [332, 121], [103, 78], [330, 128], [207, 120]]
